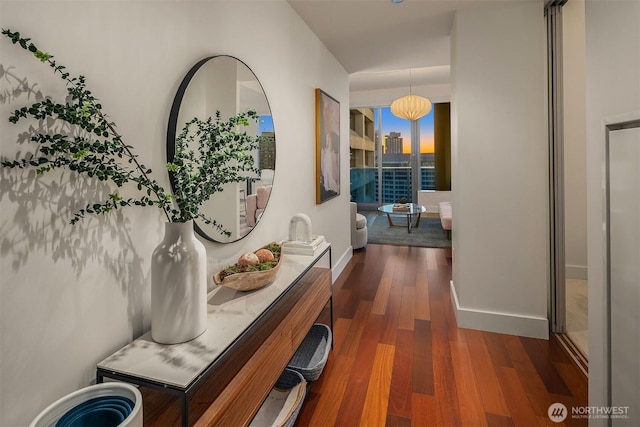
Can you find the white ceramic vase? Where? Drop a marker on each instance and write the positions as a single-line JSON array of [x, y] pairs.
[[178, 286]]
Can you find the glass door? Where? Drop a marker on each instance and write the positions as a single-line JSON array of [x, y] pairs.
[[397, 160], [391, 158], [425, 145]]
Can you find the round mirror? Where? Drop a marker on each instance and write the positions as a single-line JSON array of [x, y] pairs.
[[227, 85]]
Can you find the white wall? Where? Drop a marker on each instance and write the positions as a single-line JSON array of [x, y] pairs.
[[575, 153], [500, 167], [613, 89], [431, 199], [71, 295]]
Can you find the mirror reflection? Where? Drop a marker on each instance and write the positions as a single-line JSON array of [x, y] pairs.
[[226, 84]]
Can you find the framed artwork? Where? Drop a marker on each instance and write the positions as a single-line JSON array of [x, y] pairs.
[[327, 147]]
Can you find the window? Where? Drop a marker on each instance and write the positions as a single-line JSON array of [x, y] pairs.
[[387, 165]]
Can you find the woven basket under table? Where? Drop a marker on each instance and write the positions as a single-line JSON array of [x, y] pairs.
[[311, 357], [281, 409]]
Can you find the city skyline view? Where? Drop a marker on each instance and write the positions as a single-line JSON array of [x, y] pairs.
[[391, 123]]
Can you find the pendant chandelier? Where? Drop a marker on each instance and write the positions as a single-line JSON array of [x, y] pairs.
[[410, 107]]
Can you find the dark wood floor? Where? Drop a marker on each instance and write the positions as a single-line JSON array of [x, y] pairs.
[[400, 360]]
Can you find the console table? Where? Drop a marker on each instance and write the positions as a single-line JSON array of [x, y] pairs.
[[223, 376]]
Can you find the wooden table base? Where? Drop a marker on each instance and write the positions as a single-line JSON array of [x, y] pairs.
[[409, 225]]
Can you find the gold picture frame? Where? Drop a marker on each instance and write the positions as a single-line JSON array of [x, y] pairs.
[[327, 147]]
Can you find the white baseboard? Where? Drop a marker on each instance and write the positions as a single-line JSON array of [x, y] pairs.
[[576, 272], [504, 323], [341, 263]]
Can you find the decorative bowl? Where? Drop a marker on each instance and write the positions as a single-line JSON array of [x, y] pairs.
[[116, 402], [250, 280]]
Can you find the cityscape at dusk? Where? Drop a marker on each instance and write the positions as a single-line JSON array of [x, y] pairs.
[[395, 181], [391, 123]]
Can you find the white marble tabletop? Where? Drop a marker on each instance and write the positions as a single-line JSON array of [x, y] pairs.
[[230, 313]]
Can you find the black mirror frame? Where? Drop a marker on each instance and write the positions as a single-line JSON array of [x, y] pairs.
[[172, 130]]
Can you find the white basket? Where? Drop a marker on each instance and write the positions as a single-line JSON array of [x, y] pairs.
[[54, 412], [282, 406]]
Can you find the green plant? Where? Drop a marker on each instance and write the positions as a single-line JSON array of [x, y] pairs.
[[89, 144], [223, 155]]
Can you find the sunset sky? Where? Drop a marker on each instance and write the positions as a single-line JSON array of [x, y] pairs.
[[391, 123]]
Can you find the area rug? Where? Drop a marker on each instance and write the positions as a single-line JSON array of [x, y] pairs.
[[429, 235]]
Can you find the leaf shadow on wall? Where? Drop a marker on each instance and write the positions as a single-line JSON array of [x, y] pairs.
[[43, 206]]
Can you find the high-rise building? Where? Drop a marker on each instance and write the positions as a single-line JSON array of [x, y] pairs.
[[393, 143], [361, 138], [267, 141]]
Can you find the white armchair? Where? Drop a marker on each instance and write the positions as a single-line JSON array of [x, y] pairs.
[[256, 204], [359, 233]]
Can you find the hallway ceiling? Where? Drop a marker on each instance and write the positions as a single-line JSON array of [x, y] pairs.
[[378, 41]]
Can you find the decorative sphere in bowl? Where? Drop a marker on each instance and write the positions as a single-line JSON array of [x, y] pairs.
[[249, 259], [264, 255], [248, 277]]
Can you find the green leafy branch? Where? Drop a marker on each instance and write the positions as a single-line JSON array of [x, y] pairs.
[[223, 156], [92, 146]]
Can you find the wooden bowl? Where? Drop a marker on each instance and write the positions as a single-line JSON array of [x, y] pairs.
[[248, 281]]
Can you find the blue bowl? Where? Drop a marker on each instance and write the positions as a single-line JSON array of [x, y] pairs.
[[103, 411]]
